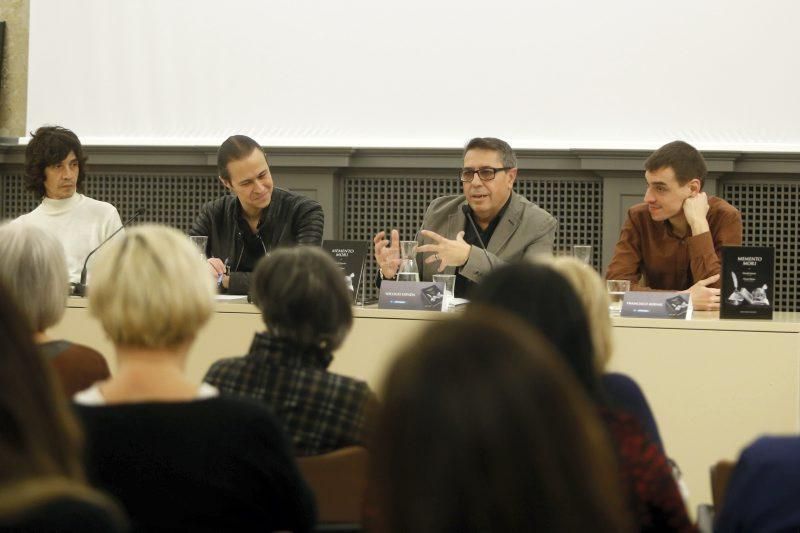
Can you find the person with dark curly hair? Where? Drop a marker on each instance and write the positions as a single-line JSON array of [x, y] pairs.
[[55, 171]]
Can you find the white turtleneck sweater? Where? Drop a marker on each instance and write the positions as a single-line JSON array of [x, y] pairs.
[[79, 222]]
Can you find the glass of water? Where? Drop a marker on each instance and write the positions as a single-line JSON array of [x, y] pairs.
[[200, 241], [616, 292], [449, 281], [583, 253], [408, 270]]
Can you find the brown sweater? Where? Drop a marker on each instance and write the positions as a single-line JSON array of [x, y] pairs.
[[651, 256], [78, 367]]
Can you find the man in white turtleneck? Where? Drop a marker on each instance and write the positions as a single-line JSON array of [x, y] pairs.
[[55, 171]]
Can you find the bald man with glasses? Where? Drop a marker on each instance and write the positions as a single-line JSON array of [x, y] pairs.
[[509, 225]]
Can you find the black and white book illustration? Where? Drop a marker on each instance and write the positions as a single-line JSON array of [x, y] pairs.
[[747, 282]]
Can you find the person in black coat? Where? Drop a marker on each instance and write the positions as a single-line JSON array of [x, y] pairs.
[[256, 218]]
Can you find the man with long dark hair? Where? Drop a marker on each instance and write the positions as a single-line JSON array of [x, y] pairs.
[[55, 170]]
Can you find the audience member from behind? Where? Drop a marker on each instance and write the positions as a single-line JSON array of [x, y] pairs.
[[545, 299], [255, 218], [762, 494], [305, 305], [621, 390], [178, 456], [55, 171], [42, 483], [484, 429], [33, 267]]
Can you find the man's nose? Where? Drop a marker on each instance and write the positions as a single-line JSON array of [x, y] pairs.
[[648, 196]]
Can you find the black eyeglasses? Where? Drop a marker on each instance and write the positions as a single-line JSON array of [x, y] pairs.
[[485, 173]]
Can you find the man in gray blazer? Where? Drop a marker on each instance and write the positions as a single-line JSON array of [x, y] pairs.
[[510, 226]]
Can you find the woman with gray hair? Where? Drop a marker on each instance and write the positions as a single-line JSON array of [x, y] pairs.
[[34, 269], [305, 305]]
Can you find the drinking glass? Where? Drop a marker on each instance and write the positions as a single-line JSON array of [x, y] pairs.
[[616, 292], [583, 252], [449, 281], [408, 270], [200, 241]]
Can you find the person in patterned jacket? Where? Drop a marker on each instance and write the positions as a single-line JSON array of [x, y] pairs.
[[305, 305]]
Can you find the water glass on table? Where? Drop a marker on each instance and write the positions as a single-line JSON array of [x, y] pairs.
[[200, 241], [616, 292], [583, 253], [449, 281]]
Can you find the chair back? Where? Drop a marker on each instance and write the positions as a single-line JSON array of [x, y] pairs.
[[720, 476], [338, 480]]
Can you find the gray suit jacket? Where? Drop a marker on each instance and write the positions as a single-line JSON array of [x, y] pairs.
[[524, 231]]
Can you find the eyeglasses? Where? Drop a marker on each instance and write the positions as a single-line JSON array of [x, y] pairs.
[[467, 175]]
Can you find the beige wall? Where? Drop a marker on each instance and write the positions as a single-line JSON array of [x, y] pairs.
[[14, 77]]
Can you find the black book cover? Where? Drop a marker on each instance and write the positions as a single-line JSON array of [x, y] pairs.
[[351, 257], [748, 282]]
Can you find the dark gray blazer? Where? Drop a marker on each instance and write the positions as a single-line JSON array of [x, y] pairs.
[[524, 231]]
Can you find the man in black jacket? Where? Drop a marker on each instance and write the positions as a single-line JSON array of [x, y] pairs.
[[244, 226]]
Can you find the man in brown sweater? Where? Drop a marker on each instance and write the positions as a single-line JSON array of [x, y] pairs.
[[673, 241]]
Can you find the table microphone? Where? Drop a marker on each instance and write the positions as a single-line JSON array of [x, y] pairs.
[[80, 288], [465, 209]]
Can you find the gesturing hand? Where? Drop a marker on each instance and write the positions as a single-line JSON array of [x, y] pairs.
[[387, 254], [448, 252]]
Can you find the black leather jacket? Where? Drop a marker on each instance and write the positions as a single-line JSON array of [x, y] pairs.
[[288, 220]]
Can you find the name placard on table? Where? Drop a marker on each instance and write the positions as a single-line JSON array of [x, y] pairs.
[[411, 295], [637, 304]]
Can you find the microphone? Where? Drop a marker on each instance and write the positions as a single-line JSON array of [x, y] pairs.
[[80, 288], [465, 210]]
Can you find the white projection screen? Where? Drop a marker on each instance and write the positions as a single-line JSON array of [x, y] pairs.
[[723, 74]]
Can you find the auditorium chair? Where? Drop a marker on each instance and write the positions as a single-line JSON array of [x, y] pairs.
[[720, 476], [338, 480]]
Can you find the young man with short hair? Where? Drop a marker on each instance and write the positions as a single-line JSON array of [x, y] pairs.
[[673, 241]]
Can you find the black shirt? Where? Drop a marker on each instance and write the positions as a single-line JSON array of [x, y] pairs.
[[254, 246], [464, 285], [219, 464]]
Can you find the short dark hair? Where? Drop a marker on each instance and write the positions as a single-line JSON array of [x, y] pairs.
[[483, 428], [50, 145], [303, 297], [496, 145], [547, 302], [684, 159], [234, 148]]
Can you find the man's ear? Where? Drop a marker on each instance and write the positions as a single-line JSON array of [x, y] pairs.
[[695, 186], [225, 183], [512, 174]]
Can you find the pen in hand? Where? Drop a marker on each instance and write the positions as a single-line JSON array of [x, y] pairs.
[[222, 273]]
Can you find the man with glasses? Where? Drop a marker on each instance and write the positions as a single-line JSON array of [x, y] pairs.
[[256, 217], [509, 225]]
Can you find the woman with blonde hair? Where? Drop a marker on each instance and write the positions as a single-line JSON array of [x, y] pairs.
[[42, 482], [177, 455], [622, 391], [34, 269]]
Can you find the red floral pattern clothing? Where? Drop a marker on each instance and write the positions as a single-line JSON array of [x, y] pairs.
[[655, 499]]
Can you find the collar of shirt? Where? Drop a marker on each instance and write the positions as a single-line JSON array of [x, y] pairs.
[[285, 352]]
